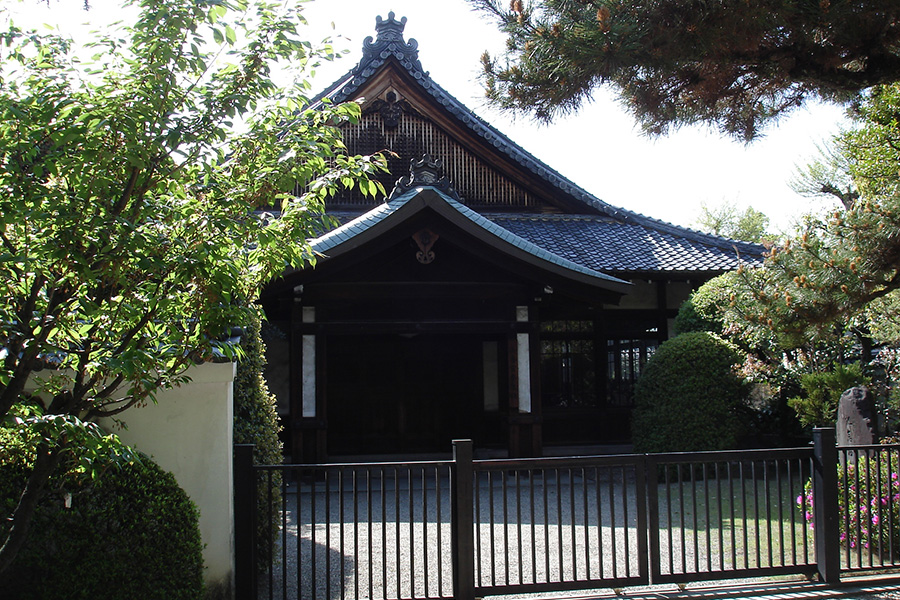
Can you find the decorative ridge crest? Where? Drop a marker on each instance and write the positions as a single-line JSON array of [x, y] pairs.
[[424, 172], [390, 42]]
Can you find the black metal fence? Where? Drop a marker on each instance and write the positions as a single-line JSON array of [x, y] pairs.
[[468, 528], [869, 507]]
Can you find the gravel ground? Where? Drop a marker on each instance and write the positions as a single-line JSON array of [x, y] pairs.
[[402, 530]]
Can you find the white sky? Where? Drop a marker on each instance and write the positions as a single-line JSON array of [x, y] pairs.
[[600, 148]]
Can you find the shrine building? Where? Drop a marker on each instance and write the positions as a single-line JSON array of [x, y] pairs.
[[486, 297]]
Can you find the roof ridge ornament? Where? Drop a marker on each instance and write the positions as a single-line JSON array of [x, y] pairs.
[[390, 42], [425, 172]]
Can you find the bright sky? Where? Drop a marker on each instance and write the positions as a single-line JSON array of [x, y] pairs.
[[600, 148]]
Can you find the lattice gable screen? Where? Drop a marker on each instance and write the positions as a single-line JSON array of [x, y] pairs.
[[398, 127]]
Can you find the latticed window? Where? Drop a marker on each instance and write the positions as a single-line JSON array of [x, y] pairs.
[[568, 373], [568, 364], [625, 360]]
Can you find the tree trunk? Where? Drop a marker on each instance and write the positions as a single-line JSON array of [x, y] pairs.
[[45, 463]]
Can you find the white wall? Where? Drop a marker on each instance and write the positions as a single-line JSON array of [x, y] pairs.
[[189, 432]]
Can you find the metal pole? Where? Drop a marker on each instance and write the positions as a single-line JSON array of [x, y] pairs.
[[825, 505], [244, 523], [463, 521]]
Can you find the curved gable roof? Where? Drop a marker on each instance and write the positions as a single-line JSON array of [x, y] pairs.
[[697, 249], [404, 206]]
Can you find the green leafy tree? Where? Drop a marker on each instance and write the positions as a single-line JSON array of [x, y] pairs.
[[827, 295], [732, 63], [728, 221], [843, 267], [131, 173]]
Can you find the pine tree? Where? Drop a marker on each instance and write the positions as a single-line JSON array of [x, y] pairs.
[[732, 63]]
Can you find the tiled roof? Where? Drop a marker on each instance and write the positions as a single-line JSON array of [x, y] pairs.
[[596, 243], [390, 45], [327, 242], [606, 238], [609, 246]]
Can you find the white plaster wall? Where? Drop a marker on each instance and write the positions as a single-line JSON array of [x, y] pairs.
[[189, 432]]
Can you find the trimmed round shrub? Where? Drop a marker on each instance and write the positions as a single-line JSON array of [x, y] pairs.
[[130, 533], [689, 396]]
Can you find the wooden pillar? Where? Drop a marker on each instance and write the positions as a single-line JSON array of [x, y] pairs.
[[524, 428], [308, 425]]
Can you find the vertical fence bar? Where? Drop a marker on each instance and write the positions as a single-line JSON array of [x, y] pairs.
[[341, 532], [462, 521], [478, 521], [756, 522], [412, 538], [244, 522], [284, 528], [612, 524], [505, 498], [694, 523], [880, 516], [560, 561], [587, 528], [371, 556], [653, 472], [314, 573], [597, 501], [397, 562], [572, 521], [425, 532], [384, 559], [825, 503], [546, 526], [437, 519], [768, 508], [625, 528], [299, 477], [891, 501], [493, 556], [519, 543], [704, 472], [533, 541], [326, 474], [646, 488], [270, 535]]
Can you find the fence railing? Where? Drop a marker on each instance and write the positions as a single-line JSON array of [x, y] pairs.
[[467, 528], [719, 515], [869, 507]]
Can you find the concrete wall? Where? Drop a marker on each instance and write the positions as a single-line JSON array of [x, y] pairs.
[[189, 432]]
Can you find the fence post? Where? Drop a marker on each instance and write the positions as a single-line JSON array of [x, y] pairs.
[[462, 537], [647, 496], [825, 505], [244, 523]]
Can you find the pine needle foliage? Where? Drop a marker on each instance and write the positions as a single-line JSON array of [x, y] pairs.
[[734, 64]]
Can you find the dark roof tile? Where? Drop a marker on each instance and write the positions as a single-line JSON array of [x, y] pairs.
[[615, 240]]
